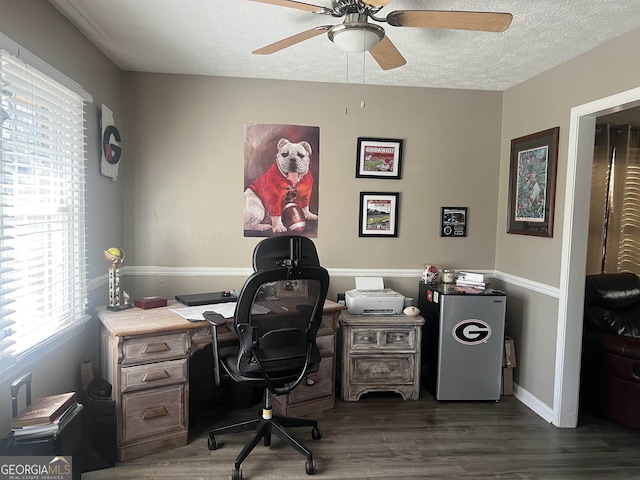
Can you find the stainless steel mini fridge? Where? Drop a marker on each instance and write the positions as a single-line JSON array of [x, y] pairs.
[[463, 342]]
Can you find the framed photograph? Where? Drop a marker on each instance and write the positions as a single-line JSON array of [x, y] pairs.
[[453, 221], [532, 183], [378, 214], [379, 158]]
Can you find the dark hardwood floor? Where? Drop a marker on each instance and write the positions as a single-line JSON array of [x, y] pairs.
[[384, 437]]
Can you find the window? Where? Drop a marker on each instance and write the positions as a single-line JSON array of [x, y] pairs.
[[43, 277]]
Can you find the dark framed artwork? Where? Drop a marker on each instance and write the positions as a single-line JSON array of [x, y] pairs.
[[453, 221], [379, 158], [378, 214], [532, 183]]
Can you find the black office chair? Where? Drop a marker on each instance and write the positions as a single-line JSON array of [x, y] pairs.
[[277, 317]]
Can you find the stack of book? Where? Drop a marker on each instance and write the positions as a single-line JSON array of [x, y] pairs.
[[45, 416], [471, 280]]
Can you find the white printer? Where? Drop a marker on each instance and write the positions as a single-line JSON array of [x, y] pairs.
[[371, 298]]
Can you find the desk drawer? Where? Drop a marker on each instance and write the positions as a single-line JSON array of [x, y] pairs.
[[326, 345], [327, 321], [321, 383], [150, 412], [153, 349], [382, 370], [363, 339], [153, 375]]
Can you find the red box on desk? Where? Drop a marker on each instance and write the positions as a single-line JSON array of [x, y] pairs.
[[150, 302]]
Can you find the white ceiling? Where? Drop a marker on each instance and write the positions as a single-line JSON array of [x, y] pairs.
[[216, 37]]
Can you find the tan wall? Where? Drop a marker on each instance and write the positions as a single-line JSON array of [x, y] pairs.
[[185, 195], [544, 102], [538, 104], [39, 28], [532, 320]]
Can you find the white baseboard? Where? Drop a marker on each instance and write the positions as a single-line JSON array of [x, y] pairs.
[[531, 401]]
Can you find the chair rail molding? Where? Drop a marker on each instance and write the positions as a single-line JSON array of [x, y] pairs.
[[334, 272], [527, 284]]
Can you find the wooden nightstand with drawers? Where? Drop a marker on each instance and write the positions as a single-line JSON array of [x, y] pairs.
[[380, 353]]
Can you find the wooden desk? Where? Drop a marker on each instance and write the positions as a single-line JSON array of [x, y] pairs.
[[144, 354]]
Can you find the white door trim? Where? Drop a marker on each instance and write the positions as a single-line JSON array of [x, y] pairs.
[[574, 250]]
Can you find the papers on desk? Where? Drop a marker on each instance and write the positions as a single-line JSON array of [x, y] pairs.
[[226, 309], [194, 314]]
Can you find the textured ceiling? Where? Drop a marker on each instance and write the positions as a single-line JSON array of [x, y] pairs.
[[216, 37]]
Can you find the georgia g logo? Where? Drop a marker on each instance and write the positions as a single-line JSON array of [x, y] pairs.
[[471, 332], [112, 151]]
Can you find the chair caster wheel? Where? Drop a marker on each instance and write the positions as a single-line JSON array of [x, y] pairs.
[[212, 443], [316, 433], [236, 474], [310, 467]]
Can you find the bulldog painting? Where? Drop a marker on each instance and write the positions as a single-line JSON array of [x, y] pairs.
[[286, 185]]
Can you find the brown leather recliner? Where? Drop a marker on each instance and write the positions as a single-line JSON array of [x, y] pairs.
[[611, 347]]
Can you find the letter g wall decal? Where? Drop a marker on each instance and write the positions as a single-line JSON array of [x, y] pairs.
[[111, 149]]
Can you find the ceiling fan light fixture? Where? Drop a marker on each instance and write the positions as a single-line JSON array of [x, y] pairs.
[[356, 37]]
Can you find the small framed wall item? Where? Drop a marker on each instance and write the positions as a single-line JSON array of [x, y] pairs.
[[379, 158], [453, 221], [532, 183], [378, 214]]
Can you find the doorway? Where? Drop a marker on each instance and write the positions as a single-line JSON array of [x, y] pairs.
[[574, 250], [614, 227]]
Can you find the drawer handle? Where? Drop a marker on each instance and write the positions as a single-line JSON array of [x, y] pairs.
[[155, 412], [155, 347], [157, 375], [366, 338], [310, 382]]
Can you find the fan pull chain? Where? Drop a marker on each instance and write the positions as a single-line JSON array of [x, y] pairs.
[[364, 58], [346, 87]]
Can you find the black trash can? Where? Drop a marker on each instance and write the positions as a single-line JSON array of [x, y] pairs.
[[99, 426]]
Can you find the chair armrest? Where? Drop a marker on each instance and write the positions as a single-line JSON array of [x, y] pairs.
[[621, 345], [215, 320]]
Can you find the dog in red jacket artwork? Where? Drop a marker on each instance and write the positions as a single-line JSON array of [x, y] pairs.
[[279, 199]]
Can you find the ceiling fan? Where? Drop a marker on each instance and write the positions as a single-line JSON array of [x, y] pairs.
[[357, 34]]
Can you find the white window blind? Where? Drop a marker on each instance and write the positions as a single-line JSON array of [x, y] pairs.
[[43, 278], [629, 238]]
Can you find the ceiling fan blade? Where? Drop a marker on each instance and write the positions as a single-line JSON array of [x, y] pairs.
[[481, 21], [387, 55], [377, 3], [292, 40], [299, 5]]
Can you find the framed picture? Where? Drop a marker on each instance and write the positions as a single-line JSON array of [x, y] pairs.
[[453, 221], [532, 183], [379, 158], [378, 214]]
